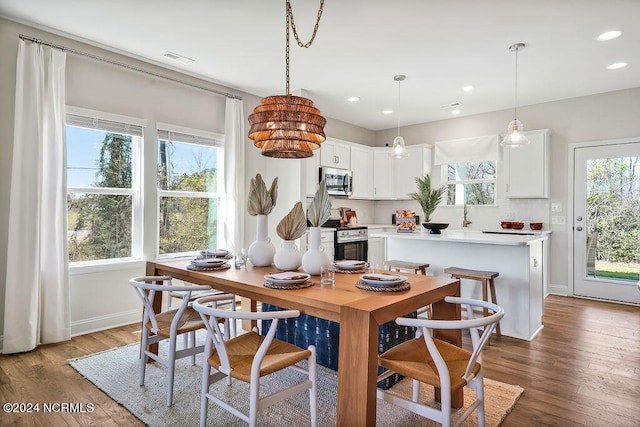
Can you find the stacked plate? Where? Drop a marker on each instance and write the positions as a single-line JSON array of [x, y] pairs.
[[209, 264], [214, 253], [286, 278], [350, 265], [382, 279]]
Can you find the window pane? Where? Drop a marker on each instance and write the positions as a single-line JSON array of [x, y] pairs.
[[99, 226], [472, 170], [471, 194], [187, 167], [97, 158], [187, 224]]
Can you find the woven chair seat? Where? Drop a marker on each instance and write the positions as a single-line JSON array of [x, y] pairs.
[[190, 321], [412, 359], [242, 350]]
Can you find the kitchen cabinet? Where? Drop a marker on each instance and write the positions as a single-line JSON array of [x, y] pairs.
[[395, 178], [383, 174], [335, 153], [362, 169], [526, 168]]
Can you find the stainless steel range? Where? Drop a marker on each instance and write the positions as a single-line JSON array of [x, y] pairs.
[[351, 242]]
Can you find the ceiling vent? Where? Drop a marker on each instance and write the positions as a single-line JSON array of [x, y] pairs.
[[180, 58]]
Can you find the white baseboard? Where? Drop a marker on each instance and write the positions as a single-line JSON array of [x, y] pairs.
[[94, 324], [562, 290]]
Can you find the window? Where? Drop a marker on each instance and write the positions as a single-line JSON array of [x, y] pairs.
[[471, 183], [103, 194], [189, 187]]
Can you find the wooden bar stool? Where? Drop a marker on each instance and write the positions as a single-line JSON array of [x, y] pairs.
[[485, 277], [417, 268]]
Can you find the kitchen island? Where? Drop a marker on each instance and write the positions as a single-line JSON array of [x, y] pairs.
[[520, 260]]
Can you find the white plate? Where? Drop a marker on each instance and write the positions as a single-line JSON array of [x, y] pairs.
[[214, 252], [209, 262], [287, 277], [381, 279], [350, 265]]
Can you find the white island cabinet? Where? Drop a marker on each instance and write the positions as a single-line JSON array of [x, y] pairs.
[[518, 258]]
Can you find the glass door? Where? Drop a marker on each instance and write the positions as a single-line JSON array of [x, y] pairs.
[[606, 223]]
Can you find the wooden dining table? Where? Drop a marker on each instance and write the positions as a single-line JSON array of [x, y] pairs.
[[359, 313]]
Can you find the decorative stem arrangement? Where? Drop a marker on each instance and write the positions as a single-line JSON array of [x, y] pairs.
[[319, 210], [261, 202], [290, 228], [429, 200]]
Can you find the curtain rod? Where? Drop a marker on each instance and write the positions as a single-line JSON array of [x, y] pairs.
[[127, 66]]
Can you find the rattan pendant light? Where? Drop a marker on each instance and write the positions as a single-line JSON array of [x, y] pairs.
[[288, 126]]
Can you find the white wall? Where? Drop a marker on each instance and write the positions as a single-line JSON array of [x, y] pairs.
[[101, 296], [598, 117]]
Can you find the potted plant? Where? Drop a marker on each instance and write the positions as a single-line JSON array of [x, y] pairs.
[[429, 200]]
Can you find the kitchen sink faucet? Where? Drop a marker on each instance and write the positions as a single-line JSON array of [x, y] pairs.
[[465, 221]]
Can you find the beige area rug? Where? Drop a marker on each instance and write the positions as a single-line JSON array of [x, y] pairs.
[[116, 373]]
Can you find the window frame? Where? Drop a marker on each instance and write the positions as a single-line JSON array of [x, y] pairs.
[[174, 133], [113, 123], [494, 181]]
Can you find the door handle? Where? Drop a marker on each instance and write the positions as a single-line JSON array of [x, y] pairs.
[[579, 218], [578, 228]]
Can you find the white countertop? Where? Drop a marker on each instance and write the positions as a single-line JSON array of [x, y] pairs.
[[463, 236]]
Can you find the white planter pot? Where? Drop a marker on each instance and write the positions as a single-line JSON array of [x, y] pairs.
[[288, 257], [261, 251], [314, 258]]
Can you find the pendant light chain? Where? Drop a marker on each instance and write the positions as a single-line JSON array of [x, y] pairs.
[[291, 23]]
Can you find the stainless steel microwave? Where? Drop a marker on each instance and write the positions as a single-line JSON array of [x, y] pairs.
[[338, 181]]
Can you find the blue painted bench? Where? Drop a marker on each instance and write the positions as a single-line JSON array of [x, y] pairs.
[[324, 334]]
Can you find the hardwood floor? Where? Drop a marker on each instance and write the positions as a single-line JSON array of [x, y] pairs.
[[583, 369]]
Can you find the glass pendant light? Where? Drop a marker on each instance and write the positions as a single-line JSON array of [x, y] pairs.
[[515, 136], [399, 149]]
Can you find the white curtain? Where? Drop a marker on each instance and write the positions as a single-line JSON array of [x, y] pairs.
[[37, 287], [234, 200]]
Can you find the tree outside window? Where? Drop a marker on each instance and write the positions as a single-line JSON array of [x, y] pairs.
[[471, 183]]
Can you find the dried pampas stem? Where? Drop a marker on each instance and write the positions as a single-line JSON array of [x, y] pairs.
[[293, 225], [261, 201], [320, 207]]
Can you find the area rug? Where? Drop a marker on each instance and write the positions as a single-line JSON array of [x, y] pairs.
[[115, 372]]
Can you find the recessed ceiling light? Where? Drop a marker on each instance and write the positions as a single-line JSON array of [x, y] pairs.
[[617, 65], [353, 99], [610, 35], [455, 112], [177, 57], [387, 111], [467, 88]]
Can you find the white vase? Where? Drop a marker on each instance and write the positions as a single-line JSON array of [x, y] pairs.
[[314, 258], [288, 257], [262, 250]]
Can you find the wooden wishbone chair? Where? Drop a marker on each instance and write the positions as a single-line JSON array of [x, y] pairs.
[[441, 364], [167, 325], [266, 356]]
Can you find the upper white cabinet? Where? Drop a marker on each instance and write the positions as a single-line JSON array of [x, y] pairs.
[[393, 178], [362, 169], [335, 153], [526, 168]]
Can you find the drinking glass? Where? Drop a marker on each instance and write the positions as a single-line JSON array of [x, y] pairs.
[[240, 260], [327, 275]]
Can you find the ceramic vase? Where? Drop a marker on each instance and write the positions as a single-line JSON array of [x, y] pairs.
[[314, 258], [288, 257], [261, 251]]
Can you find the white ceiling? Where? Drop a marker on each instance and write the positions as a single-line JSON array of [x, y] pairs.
[[361, 45]]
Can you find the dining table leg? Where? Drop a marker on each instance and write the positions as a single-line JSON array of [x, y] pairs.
[[357, 368]]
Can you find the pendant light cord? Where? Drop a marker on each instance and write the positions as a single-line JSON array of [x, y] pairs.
[[515, 91], [399, 107]]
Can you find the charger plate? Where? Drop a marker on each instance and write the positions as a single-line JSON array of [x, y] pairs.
[[306, 284], [403, 286]]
